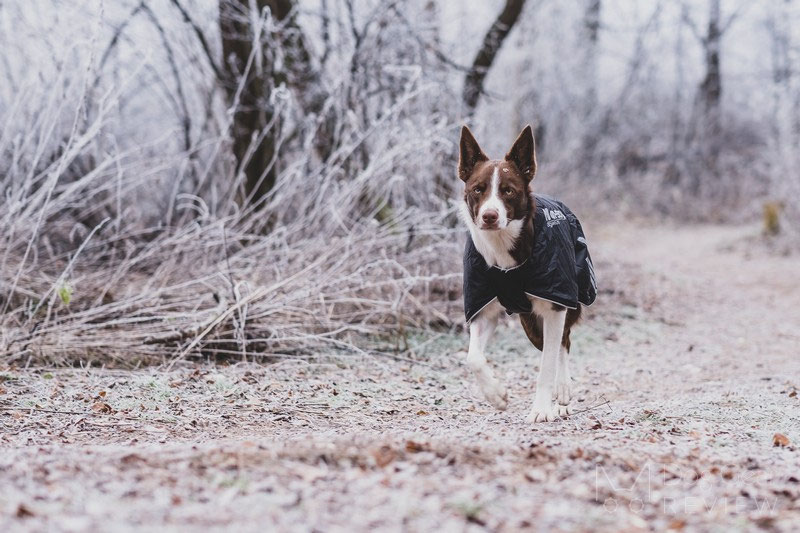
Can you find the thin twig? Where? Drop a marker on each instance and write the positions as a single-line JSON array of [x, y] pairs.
[[60, 412], [607, 402], [201, 39]]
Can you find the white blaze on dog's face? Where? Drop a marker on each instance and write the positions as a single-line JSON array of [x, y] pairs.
[[492, 213], [496, 191]]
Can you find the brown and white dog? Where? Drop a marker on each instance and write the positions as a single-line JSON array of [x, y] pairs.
[[498, 209]]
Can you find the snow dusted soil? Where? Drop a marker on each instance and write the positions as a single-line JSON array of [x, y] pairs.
[[685, 371]]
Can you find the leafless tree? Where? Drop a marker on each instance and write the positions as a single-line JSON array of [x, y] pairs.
[[590, 37], [785, 134], [711, 86], [709, 96], [492, 42]]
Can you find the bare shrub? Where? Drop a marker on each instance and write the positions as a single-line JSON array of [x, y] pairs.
[[142, 252]]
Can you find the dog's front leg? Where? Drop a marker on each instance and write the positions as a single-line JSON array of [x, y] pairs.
[[480, 331], [553, 328], [563, 382]]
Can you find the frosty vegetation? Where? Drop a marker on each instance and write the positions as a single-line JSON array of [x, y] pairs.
[[262, 178]]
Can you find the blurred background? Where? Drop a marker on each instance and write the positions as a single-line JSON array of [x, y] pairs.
[[262, 178]]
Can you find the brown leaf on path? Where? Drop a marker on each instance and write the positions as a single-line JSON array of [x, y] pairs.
[[101, 407], [23, 511], [779, 439], [475, 519], [678, 523], [422, 412], [132, 458], [416, 447], [384, 455]]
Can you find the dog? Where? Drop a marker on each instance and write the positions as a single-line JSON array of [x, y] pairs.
[[525, 254]]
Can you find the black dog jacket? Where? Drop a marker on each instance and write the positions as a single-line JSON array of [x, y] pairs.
[[559, 268]]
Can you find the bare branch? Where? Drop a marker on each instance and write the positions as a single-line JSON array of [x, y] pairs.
[[473, 84], [198, 31]]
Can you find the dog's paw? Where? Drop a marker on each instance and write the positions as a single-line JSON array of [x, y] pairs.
[[563, 393], [495, 393], [541, 414], [563, 410]]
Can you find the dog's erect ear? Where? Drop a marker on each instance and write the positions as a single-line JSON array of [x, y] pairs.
[[469, 154], [523, 153]]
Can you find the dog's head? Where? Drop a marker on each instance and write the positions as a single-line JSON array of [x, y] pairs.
[[496, 191]]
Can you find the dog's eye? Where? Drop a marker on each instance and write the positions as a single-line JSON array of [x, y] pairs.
[[477, 190], [508, 191]]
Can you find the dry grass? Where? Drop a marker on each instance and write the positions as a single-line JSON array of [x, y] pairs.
[[130, 256]]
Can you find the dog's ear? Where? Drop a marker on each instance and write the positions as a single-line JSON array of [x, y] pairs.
[[469, 154], [523, 154]]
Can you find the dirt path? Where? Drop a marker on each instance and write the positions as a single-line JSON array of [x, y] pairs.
[[695, 351]]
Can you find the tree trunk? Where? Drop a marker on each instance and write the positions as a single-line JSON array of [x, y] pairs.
[[473, 84], [711, 88], [675, 172], [253, 147], [785, 139], [590, 34], [256, 123]]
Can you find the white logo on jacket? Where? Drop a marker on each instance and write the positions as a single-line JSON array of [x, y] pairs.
[[553, 216]]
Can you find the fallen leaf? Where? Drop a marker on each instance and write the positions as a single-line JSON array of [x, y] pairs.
[[102, 394], [132, 458], [101, 407], [384, 455], [535, 476], [678, 523], [23, 511], [779, 439], [422, 412], [793, 394], [415, 447], [765, 522]]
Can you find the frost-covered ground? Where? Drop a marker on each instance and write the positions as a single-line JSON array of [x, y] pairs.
[[683, 375]]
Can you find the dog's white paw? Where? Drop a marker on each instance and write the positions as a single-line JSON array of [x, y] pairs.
[[564, 410], [563, 393], [541, 414], [495, 393]]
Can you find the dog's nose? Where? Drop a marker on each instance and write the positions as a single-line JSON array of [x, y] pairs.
[[490, 217]]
